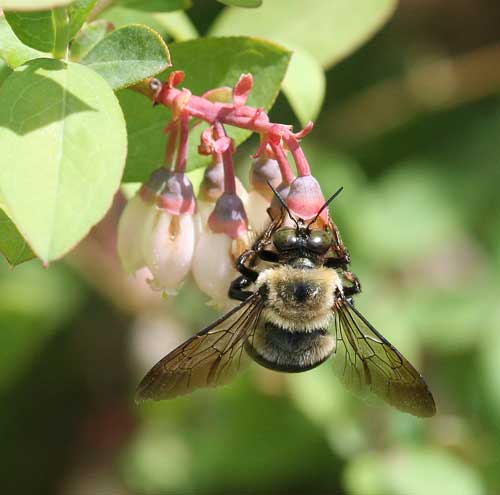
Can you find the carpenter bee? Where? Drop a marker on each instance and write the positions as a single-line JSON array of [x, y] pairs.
[[296, 311]]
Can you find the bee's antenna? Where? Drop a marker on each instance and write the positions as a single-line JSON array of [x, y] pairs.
[[327, 202], [282, 201]]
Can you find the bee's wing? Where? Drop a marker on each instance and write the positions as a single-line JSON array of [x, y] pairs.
[[209, 358], [366, 361]]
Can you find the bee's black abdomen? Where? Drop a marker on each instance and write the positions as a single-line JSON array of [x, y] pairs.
[[280, 350]]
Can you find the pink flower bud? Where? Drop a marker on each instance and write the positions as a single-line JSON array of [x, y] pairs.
[[172, 191], [130, 231], [229, 216], [283, 189], [305, 198], [212, 185], [265, 171], [168, 248]]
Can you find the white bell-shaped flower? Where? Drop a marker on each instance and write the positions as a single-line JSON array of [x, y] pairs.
[[130, 232], [213, 266], [256, 208], [168, 247], [223, 238]]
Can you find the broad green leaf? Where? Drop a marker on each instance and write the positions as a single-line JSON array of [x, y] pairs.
[[328, 30], [174, 24], [208, 63], [129, 55], [304, 85], [12, 50], [156, 5], [12, 244], [32, 4], [34, 29], [248, 4], [64, 142], [88, 37], [177, 25], [78, 12], [5, 71]]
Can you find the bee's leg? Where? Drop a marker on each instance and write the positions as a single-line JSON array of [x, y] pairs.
[[269, 256], [235, 289], [338, 262], [247, 272], [353, 289]]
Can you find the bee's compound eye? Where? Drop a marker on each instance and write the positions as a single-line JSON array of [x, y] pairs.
[[285, 238], [320, 240]]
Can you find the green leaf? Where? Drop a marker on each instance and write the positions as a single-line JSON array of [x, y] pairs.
[[208, 63], [304, 86], [178, 25], [78, 12], [12, 244], [129, 55], [326, 30], [34, 29], [175, 24], [88, 37], [64, 142], [5, 71], [248, 4], [32, 4], [12, 50], [157, 5]]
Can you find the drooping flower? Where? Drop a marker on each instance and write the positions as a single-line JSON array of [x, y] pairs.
[[264, 171], [212, 188], [157, 230], [305, 199], [223, 238], [130, 229], [170, 235]]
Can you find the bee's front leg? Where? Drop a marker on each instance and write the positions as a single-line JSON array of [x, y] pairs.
[[340, 262], [241, 266], [235, 289], [353, 289]]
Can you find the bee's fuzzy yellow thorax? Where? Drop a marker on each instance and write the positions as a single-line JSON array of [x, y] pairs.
[[300, 299]]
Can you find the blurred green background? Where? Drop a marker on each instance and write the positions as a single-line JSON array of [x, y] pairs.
[[411, 128]]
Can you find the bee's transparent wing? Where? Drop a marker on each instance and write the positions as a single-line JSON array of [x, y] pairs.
[[209, 358], [366, 361]]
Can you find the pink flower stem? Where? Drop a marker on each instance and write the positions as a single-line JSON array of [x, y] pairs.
[[301, 162], [244, 117], [171, 145], [181, 163], [227, 160], [284, 164]]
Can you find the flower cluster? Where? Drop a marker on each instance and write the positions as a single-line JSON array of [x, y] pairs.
[[172, 232]]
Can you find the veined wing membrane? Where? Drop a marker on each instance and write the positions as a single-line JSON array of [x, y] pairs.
[[365, 361], [210, 358]]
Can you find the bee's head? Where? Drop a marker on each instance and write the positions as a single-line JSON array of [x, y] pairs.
[[302, 237]]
